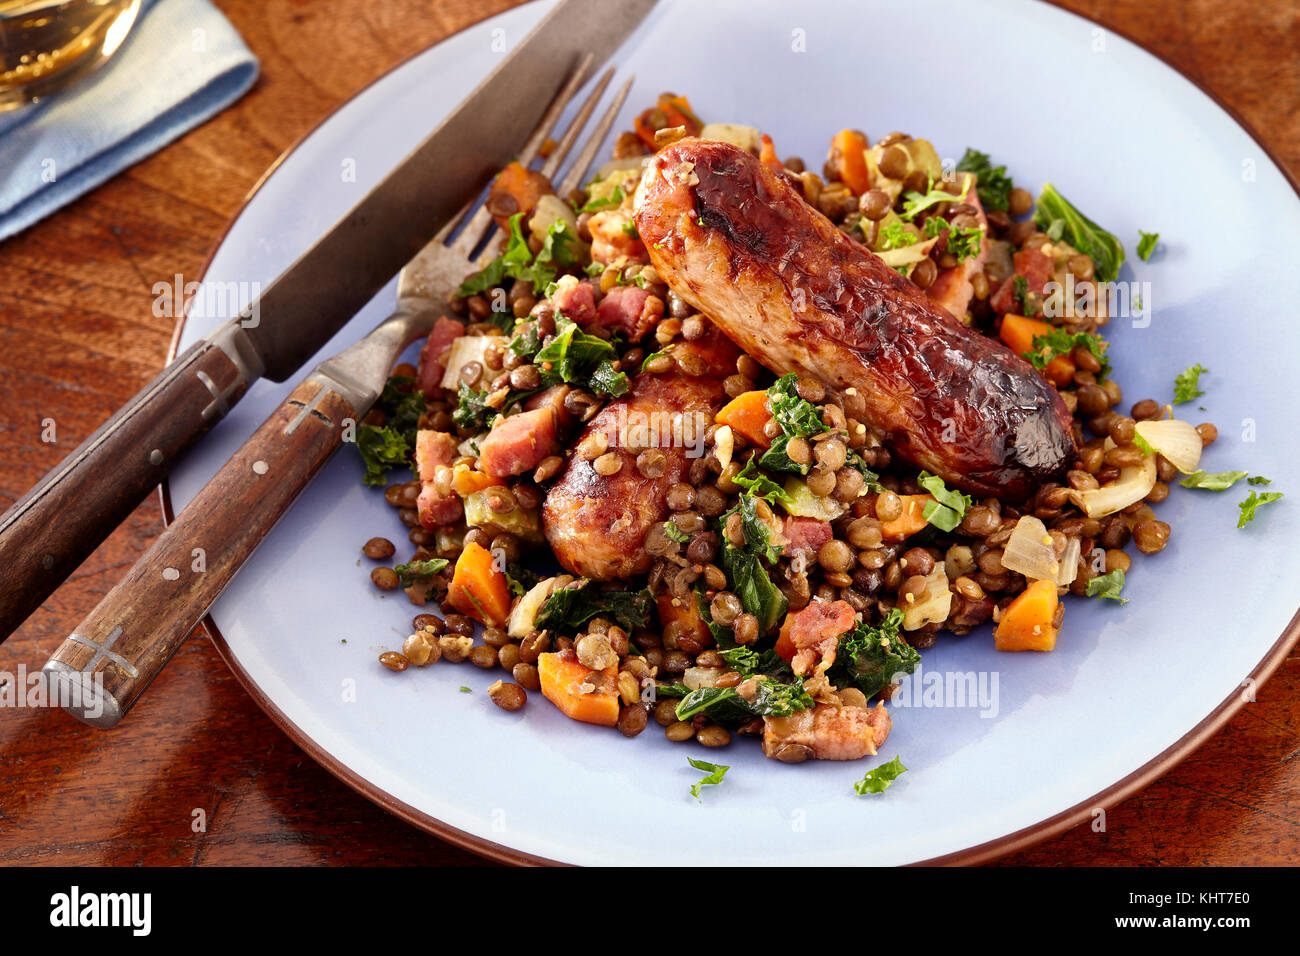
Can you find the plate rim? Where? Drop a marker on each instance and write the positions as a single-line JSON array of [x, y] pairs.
[[1121, 790]]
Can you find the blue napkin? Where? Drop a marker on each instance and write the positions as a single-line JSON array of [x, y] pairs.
[[181, 63]]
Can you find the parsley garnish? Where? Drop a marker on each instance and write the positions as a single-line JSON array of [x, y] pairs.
[[1059, 218], [1147, 244], [1259, 480], [759, 485], [1220, 481], [992, 182], [914, 202], [1060, 342], [1187, 384], [615, 198], [963, 243], [893, 235], [675, 533], [715, 773], [880, 779], [518, 262], [1252, 502], [407, 573], [391, 445], [948, 508], [1108, 586], [1020, 291]]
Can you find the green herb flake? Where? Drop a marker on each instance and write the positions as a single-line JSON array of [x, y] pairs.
[[675, 533], [1044, 348], [1078, 230], [465, 690], [915, 202], [949, 506], [1147, 244], [872, 656], [1218, 481], [715, 774], [880, 779], [407, 573], [992, 182], [1259, 480], [1187, 384], [759, 485], [1252, 502], [1108, 586]]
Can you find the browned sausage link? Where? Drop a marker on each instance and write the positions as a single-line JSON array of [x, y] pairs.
[[596, 524], [738, 243]]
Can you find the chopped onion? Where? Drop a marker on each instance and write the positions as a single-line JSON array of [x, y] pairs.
[[621, 165], [907, 255], [802, 503], [524, 614], [697, 677], [723, 446], [1029, 551], [742, 137], [550, 210], [931, 605], [1133, 484], [466, 349], [1177, 440], [1069, 562]]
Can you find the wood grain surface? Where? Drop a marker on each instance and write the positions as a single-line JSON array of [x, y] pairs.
[[77, 338]]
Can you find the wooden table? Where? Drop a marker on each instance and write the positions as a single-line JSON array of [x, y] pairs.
[[78, 338]]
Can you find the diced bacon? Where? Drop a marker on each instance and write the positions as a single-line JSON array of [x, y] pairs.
[[827, 732], [810, 637], [436, 510], [433, 449], [952, 288], [610, 241], [445, 331], [518, 443], [806, 534], [1036, 267], [552, 398], [577, 300], [630, 308]]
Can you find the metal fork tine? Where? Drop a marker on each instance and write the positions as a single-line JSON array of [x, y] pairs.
[[571, 134], [588, 153], [582, 164], [477, 228]]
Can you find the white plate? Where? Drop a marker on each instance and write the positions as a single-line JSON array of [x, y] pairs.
[[1129, 689]]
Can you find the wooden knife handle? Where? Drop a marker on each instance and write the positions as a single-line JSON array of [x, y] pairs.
[[48, 532], [124, 643]]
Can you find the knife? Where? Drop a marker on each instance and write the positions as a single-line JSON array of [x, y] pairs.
[[51, 530]]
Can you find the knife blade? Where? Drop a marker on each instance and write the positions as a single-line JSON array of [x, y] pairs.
[[50, 531]]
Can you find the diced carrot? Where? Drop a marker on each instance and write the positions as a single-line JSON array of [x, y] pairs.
[[813, 623], [478, 588], [767, 154], [525, 186], [669, 111], [1026, 624], [562, 682], [910, 521], [747, 413], [465, 480], [849, 149], [1018, 332], [685, 614]]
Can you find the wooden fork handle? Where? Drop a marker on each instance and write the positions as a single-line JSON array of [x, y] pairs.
[[48, 532], [104, 666]]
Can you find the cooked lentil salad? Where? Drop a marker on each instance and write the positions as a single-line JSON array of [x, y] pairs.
[[791, 565]]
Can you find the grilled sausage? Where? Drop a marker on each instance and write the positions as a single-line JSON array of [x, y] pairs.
[[737, 241], [596, 524]]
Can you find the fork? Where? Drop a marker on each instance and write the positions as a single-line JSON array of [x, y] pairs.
[[102, 668]]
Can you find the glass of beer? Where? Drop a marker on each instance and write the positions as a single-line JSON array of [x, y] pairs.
[[47, 44]]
